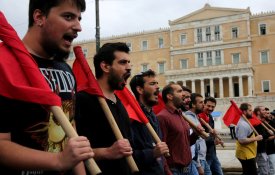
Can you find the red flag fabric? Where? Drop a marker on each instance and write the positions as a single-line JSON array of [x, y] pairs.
[[20, 77], [157, 108], [131, 105], [84, 76], [232, 115], [204, 117], [254, 120]]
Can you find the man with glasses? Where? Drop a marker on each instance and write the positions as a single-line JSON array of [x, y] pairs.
[[146, 153]]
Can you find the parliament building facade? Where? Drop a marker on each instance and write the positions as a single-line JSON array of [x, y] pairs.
[[226, 53]]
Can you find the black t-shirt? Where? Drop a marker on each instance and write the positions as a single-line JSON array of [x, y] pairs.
[[92, 123], [30, 124]]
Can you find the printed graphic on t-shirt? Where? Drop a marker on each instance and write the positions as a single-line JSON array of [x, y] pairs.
[[49, 133]]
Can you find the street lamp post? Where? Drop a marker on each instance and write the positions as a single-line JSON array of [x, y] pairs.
[[97, 34]]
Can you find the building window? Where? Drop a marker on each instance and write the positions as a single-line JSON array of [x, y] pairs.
[[199, 35], [161, 43], [200, 59], [183, 64], [85, 52], [235, 58], [144, 45], [161, 68], [209, 58], [144, 67], [217, 33], [235, 32], [218, 58], [129, 45], [262, 29], [264, 57], [183, 39], [266, 85], [208, 34]]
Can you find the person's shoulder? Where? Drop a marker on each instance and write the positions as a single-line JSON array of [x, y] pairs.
[[82, 95]]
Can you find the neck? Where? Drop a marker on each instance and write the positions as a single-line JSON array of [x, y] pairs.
[[107, 91], [32, 42], [171, 105]]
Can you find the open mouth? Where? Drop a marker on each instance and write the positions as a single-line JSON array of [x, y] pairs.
[[69, 37]]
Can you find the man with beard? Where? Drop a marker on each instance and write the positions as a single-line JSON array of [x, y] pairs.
[[146, 153], [199, 149], [246, 144], [211, 141], [112, 69], [28, 145], [262, 158], [175, 132], [186, 99]]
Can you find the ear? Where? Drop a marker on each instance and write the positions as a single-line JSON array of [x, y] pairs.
[[140, 90], [169, 97], [39, 18], [105, 67]]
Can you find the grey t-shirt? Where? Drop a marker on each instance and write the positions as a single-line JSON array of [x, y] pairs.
[[243, 130]]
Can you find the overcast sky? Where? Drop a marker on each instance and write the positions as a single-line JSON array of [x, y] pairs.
[[128, 16]]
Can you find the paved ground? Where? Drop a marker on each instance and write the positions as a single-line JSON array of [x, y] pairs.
[[230, 164]]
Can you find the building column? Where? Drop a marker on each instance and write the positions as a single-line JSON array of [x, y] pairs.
[[249, 81], [202, 87], [221, 87], [240, 86], [184, 83], [193, 86], [230, 88], [211, 87]]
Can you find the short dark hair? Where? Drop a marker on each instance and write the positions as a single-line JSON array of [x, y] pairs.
[[244, 106], [193, 99], [211, 99], [257, 109], [106, 54], [184, 88], [168, 89], [46, 5], [138, 80]]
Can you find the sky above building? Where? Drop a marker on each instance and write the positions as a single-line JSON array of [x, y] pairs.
[[129, 16]]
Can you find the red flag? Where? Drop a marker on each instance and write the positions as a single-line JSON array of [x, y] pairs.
[[84, 76], [160, 104], [254, 120], [20, 77], [131, 105], [232, 115]]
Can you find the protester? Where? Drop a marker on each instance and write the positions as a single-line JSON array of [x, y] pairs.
[[262, 158], [246, 144], [232, 131], [175, 132], [186, 100], [270, 147], [31, 140], [211, 141], [147, 154], [112, 69], [199, 149]]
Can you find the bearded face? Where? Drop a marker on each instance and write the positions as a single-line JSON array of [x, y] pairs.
[[117, 81]]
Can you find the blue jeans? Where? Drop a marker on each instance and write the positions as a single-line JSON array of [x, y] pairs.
[[215, 165], [192, 170], [205, 167]]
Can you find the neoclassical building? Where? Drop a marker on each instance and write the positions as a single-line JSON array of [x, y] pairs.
[[222, 52]]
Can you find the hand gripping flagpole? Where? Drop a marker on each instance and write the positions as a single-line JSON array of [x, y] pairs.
[[127, 98], [93, 88], [211, 130], [36, 82]]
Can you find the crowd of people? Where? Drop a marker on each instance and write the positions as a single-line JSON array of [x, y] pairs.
[[32, 142]]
